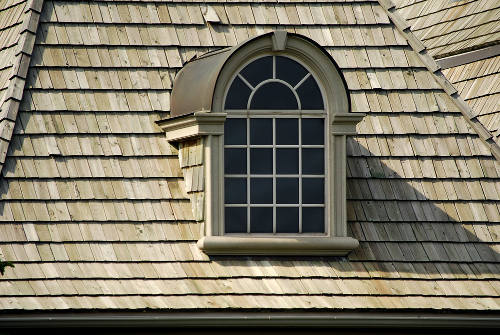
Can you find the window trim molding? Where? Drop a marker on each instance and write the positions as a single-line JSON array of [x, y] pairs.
[[209, 125]]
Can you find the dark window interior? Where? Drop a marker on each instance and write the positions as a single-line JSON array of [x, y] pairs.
[[270, 91], [274, 165], [258, 70], [274, 95]]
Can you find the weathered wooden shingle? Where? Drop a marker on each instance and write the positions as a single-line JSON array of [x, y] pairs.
[[99, 212], [453, 29]]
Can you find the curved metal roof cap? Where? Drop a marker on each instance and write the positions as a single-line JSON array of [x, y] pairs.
[[195, 84]]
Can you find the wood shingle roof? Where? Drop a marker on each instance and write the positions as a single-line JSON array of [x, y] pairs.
[[95, 211], [450, 29]]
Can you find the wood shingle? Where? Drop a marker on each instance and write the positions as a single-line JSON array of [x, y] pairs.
[[99, 212]]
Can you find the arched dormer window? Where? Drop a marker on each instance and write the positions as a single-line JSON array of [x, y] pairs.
[[274, 150], [271, 116]]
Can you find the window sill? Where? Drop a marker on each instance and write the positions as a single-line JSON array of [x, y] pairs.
[[302, 246]]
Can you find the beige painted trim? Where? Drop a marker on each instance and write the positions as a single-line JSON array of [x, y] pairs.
[[307, 246], [345, 123], [194, 125]]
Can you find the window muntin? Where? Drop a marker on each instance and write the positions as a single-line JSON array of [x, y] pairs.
[[274, 165], [274, 83]]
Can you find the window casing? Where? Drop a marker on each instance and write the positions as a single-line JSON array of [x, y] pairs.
[[206, 105]]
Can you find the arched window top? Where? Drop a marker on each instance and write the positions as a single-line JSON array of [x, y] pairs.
[[203, 83], [274, 83]]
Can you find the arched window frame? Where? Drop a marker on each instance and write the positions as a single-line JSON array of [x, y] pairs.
[[209, 125]]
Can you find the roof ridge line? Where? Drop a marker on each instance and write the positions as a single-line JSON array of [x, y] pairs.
[[10, 106], [435, 69]]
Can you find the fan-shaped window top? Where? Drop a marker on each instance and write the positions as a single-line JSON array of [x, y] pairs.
[[274, 83]]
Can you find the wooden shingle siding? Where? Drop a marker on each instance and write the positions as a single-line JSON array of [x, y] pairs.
[[98, 211], [479, 84], [18, 21], [446, 27], [192, 165], [454, 28]]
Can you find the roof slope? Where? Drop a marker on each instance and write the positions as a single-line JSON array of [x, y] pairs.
[[479, 85], [94, 212], [18, 22], [450, 28]]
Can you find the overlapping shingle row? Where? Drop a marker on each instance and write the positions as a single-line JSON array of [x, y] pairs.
[[97, 208], [452, 28], [449, 27]]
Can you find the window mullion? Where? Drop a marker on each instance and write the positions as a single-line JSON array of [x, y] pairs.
[[300, 173], [274, 175], [248, 175]]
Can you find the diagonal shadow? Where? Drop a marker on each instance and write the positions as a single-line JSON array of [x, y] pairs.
[[421, 222]]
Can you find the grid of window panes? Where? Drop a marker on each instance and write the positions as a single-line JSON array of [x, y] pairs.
[[274, 175]]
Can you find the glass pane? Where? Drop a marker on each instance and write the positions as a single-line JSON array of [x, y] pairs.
[[287, 131], [235, 161], [313, 131], [313, 161], [287, 219], [238, 94], [310, 95], [274, 95], [287, 161], [313, 191], [261, 131], [261, 220], [235, 219], [258, 70], [313, 219], [261, 190], [235, 131], [287, 190], [261, 161], [235, 190], [289, 70]]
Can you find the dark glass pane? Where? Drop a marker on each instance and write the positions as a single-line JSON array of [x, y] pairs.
[[261, 131], [287, 219], [313, 161], [313, 219], [287, 161], [313, 190], [310, 95], [238, 94], [235, 190], [258, 70], [287, 190], [289, 70], [274, 95], [287, 131], [235, 219], [235, 161], [261, 161], [261, 190], [313, 131], [261, 220], [235, 131]]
